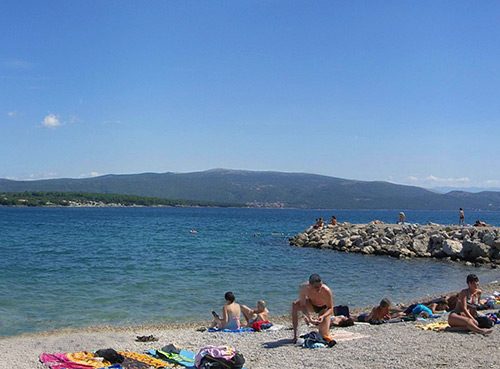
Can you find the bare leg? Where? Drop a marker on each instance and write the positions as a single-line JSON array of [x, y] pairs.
[[247, 312], [295, 318], [457, 321], [324, 326]]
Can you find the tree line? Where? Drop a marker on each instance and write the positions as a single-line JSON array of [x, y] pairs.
[[56, 198]]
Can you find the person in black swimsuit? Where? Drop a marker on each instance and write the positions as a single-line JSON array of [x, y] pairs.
[[314, 297], [462, 317]]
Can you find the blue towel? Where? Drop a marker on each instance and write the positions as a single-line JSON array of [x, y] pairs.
[[230, 330]]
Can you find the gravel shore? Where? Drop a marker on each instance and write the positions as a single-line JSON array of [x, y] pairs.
[[398, 345]]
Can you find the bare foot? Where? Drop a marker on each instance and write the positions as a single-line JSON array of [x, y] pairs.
[[294, 340], [487, 331]]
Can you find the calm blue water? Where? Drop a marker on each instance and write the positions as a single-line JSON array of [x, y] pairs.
[[75, 267]]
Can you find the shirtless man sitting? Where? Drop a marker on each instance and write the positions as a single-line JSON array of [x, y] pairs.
[[255, 315], [314, 297]]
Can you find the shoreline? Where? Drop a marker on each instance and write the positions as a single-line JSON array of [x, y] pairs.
[[400, 345], [487, 288]]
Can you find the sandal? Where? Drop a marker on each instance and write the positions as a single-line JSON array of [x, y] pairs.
[[146, 338]]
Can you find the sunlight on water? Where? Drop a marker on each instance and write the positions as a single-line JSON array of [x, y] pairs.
[[78, 267]]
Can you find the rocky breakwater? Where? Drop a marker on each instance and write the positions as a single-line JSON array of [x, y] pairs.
[[472, 244]]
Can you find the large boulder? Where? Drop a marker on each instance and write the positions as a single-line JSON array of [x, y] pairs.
[[489, 238], [473, 249], [452, 247], [420, 246]]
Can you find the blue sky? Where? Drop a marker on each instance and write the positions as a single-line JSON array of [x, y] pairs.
[[400, 91]]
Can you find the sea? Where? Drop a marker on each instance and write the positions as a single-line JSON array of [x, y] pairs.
[[79, 267]]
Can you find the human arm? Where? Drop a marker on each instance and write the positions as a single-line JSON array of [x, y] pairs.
[[303, 304]]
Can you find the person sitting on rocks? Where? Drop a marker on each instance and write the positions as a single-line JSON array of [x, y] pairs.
[[260, 314], [319, 223], [333, 221]]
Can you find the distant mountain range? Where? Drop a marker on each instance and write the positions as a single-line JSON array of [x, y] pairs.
[[446, 189], [267, 189]]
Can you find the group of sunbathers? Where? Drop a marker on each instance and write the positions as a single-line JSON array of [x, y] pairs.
[[232, 311], [316, 303]]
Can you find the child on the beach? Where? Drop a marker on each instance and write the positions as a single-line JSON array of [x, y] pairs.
[[379, 313]]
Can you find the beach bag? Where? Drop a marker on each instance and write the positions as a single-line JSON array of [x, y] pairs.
[[111, 355], [218, 357], [209, 362], [484, 322], [341, 310]]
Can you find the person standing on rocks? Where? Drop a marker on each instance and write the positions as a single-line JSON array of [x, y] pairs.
[[401, 218], [461, 217], [314, 297]]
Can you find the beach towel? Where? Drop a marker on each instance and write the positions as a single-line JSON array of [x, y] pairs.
[[143, 358], [239, 330], [342, 335], [76, 360], [184, 358], [61, 361], [438, 326]]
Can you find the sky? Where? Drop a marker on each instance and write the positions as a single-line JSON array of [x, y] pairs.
[[400, 91]]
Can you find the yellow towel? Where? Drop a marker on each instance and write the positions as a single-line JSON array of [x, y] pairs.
[[438, 326], [147, 359], [87, 358]]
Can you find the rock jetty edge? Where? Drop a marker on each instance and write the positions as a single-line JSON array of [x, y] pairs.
[[478, 245]]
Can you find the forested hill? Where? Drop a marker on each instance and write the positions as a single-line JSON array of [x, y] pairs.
[[270, 189]]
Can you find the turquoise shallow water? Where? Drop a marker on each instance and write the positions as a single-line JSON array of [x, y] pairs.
[[75, 267]]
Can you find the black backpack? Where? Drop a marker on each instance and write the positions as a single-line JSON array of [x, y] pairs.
[[484, 322], [341, 310], [209, 362]]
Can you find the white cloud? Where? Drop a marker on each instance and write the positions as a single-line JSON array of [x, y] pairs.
[[112, 122], [89, 175], [413, 178], [51, 121], [492, 182], [35, 176], [12, 114], [462, 180]]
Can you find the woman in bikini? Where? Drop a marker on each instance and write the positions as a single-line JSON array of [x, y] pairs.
[[462, 317], [230, 314]]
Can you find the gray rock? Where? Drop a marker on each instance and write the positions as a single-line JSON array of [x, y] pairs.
[[420, 246], [367, 250], [473, 249], [489, 238], [451, 247]]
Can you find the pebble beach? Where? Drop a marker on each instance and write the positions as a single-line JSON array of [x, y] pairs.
[[393, 345]]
